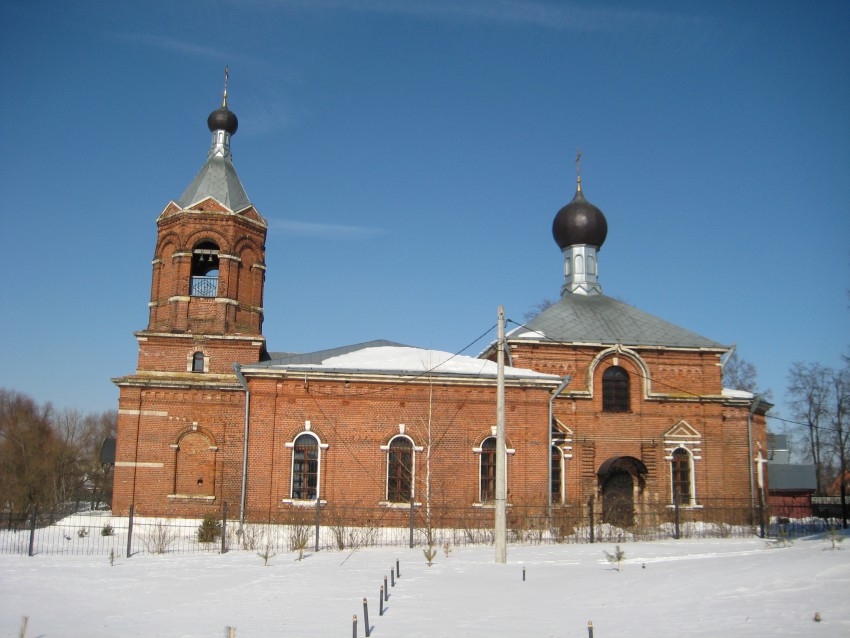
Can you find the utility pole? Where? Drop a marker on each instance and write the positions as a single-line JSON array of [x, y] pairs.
[[501, 456]]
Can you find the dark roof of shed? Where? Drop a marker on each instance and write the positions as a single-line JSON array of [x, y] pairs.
[[789, 476]]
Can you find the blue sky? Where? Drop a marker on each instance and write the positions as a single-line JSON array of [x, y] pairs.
[[410, 158]]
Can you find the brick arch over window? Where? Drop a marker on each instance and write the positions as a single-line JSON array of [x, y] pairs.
[[629, 360], [194, 465]]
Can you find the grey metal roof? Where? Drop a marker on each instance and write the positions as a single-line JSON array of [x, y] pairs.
[[217, 179], [787, 476], [602, 319]]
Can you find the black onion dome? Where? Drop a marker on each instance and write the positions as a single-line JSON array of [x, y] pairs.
[[580, 222], [223, 119]]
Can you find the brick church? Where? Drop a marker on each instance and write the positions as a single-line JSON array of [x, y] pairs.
[[601, 400]]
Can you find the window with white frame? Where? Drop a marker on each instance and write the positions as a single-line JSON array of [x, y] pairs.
[[487, 471], [681, 469], [401, 456], [306, 454]]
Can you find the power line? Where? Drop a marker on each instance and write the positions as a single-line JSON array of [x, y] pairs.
[[676, 388]]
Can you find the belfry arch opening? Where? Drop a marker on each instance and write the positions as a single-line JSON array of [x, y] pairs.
[[621, 483], [204, 282]]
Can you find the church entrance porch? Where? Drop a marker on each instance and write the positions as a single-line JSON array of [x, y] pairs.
[[621, 481]]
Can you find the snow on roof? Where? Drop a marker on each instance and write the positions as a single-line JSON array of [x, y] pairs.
[[737, 394], [398, 359]]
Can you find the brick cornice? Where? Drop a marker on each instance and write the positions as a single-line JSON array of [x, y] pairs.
[[172, 381], [146, 334], [396, 379]]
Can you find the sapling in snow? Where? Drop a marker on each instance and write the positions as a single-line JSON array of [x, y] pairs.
[[617, 557], [430, 553], [447, 549], [266, 554], [835, 536]]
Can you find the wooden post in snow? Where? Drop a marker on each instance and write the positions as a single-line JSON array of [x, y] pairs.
[[501, 456]]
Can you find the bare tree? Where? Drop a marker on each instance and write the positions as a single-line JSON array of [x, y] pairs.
[[840, 432], [49, 459], [27, 454], [537, 308], [810, 389], [740, 374]]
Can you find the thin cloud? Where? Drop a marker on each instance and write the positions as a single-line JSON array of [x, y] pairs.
[[326, 231], [567, 17], [175, 46]]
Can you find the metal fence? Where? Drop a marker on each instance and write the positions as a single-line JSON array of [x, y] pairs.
[[324, 527]]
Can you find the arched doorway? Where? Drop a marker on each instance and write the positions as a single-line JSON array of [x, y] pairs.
[[621, 480]]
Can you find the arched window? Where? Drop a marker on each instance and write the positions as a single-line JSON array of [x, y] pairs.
[[579, 265], [681, 477], [615, 390], [487, 473], [204, 282], [305, 468], [400, 458], [557, 485], [198, 362]]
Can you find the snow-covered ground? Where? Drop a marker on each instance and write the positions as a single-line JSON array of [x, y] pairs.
[[723, 587]]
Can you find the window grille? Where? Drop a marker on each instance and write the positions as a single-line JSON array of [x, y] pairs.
[[681, 466], [400, 458], [204, 287], [615, 390], [556, 486], [305, 468], [487, 482]]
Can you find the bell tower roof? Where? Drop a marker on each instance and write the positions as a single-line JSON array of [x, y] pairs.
[[217, 177]]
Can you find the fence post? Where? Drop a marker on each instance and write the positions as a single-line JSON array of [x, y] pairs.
[[675, 513], [592, 524], [318, 520], [224, 528], [354, 626], [130, 533], [32, 531], [366, 617], [411, 519]]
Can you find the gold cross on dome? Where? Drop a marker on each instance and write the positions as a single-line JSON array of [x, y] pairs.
[[578, 167], [224, 100]]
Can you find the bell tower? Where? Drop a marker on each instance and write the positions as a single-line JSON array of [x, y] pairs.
[[206, 303], [181, 413]]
